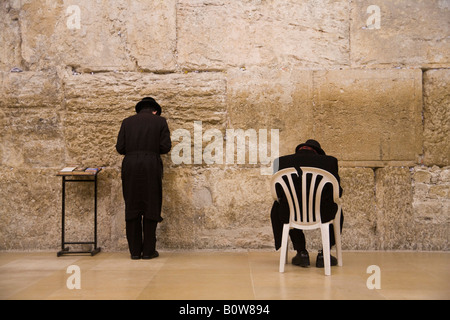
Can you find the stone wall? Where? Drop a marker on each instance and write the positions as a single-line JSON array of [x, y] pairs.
[[369, 79]]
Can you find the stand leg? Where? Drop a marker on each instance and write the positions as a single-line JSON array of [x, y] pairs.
[[96, 249], [95, 213], [63, 214]]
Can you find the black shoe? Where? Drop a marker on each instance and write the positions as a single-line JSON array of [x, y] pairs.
[[135, 257], [155, 254], [319, 260], [301, 259]]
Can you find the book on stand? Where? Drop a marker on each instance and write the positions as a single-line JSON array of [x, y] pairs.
[[78, 171]]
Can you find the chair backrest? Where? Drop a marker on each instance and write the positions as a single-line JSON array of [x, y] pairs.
[[311, 182]]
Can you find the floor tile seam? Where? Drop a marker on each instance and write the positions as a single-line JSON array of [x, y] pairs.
[[250, 270]]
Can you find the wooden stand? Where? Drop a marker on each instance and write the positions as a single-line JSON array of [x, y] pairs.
[[74, 176]]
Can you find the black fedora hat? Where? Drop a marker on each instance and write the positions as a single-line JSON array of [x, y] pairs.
[[312, 144], [148, 102]]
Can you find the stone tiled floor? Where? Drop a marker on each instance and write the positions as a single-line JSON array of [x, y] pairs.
[[249, 275]]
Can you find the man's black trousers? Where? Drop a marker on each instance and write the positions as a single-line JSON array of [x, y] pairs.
[[141, 236]]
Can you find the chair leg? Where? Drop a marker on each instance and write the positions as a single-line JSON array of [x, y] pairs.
[[324, 228], [287, 252], [284, 247], [337, 237]]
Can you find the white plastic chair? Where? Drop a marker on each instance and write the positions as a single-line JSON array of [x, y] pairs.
[[306, 219]]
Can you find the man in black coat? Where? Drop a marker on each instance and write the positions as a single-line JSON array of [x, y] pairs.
[[142, 138], [308, 154]]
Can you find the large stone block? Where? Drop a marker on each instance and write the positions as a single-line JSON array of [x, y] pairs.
[[400, 33], [31, 90], [98, 36], [431, 205], [150, 32], [280, 99], [10, 36], [359, 209], [369, 117], [363, 117], [217, 34], [32, 138], [96, 105], [178, 230], [436, 131], [394, 209], [30, 209], [32, 128], [205, 208]]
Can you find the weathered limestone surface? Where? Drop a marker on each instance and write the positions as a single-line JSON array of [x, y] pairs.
[[377, 99], [218, 208], [410, 34], [364, 117], [394, 208], [218, 34], [128, 35], [28, 209], [369, 116], [431, 207], [437, 117], [32, 129], [266, 98], [10, 51], [359, 205]]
